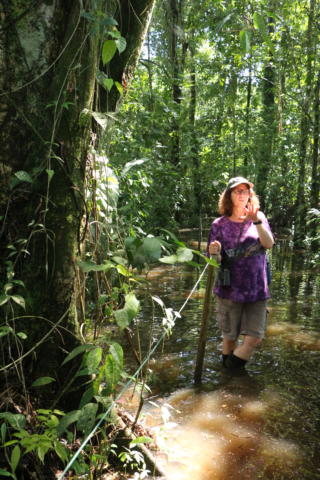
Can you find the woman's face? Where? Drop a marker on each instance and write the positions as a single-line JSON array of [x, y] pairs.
[[240, 195]]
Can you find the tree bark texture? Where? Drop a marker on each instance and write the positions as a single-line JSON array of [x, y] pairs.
[[49, 60]]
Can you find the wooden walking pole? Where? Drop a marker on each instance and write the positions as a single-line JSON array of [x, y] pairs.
[[204, 323]]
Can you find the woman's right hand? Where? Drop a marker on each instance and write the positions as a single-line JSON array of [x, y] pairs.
[[215, 248]]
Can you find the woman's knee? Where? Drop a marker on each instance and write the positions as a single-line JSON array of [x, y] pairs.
[[252, 341]]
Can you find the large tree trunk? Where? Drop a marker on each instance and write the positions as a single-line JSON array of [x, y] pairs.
[[49, 60]]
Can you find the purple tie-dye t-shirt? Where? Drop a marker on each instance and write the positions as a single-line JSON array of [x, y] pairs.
[[248, 274]]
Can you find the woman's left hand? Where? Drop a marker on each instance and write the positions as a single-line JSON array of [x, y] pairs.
[[252, 212]]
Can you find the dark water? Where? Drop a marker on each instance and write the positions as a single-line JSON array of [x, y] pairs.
[[262, 425]]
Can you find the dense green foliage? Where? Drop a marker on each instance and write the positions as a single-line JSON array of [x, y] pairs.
[[254, 70], [222, 88]]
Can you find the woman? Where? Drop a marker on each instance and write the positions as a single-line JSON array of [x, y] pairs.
[[241, 236]]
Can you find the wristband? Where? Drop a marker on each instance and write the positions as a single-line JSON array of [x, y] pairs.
[[258, 222]]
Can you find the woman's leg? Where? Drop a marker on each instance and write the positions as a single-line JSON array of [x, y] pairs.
[[246, 349], [228, 345]]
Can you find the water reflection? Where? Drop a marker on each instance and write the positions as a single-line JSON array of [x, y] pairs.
[[262, 425]]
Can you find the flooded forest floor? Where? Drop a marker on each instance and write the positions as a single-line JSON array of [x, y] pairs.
[[261, 425]]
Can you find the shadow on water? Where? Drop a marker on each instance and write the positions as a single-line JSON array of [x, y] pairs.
[[261, 425]]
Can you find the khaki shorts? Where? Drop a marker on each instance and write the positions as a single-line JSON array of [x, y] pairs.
[[235, 318]]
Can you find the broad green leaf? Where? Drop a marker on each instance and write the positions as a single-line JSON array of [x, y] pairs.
[[23, 176], [108, 50], [22, 335], [131, 164], [7, 287], [101, 118], [182, 255], [123, 270], [173, 237], [142, 439], [108, 83], [67, 420], [121, 44], [15, 457], [50, 173], [245, 41], [117, 353], [4, 299], [104, 80], [42, 381], [76, 351], [19, 300], [93, 359], [5, 473], [87, 418], [122, 318], [90, 266], [259, 23], [169, 259], [112, 372], [61, 451], [119, 87], [87, 396], [16, 420], [5, 330], [42, 450], [3, 431]]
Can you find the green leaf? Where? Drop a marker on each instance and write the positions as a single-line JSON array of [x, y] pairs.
[[260, 24], [15, 457], [76, 351], [5, 331], [19, 300], [61, 451], [101, 119], [117, 353], [42, 450], [245, 41], [128, 312], [87, 396], [16, 420], [108, 83], [90, 266], [122, 318], [3, 431], [142, 439], [143, 252], [5, 473], [22, 335], [121, 44], [50, 173], [119, 87], [42, 381], [67, 420], [108, 50], [173, 237], [183, 254], [129, 165], [23, 176], [123, 270], [93, 360], [4, 299], [112, 372], [87, 418]]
